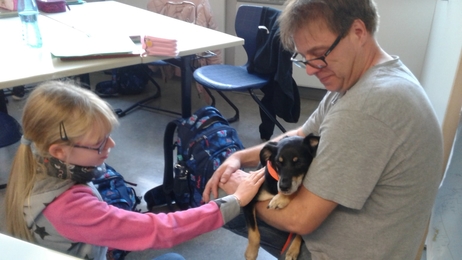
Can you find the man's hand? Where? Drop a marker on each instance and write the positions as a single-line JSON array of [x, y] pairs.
[[221, 176], [230, 186]]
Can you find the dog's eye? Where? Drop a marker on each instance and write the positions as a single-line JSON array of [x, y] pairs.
[[295, 159]]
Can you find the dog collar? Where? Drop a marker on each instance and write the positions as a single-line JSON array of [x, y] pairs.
[[272, 171]]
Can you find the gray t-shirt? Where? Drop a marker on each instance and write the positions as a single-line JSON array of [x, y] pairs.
[[380, 158]]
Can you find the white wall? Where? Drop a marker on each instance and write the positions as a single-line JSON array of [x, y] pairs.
[[443, 55], [442, 71], [404, 30]]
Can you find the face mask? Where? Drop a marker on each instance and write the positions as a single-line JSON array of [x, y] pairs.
[[79, 174]]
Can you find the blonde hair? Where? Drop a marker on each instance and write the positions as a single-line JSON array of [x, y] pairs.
[[49, 105]]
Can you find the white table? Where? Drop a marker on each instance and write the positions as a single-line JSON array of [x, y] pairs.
[[13, 248], [20, 64]]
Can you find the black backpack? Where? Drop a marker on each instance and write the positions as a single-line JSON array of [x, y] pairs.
[[203, 142], [130, 80]]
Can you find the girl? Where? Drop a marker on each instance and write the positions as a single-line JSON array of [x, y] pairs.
[[51, 201]]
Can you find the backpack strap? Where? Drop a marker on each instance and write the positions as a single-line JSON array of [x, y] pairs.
[[214, 116], [212, 119], [168, 160]]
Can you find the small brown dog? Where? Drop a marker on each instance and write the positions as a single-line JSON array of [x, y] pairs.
[[287, 163]]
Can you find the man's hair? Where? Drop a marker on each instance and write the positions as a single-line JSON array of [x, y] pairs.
[[338, 15]]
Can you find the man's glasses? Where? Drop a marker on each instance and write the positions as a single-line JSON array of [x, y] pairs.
[[317, 63], [63, 135]]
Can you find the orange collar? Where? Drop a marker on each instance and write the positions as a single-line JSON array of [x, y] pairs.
[[272, 171]]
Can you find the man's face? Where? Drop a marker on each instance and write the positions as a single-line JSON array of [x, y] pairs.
[[312, 41]]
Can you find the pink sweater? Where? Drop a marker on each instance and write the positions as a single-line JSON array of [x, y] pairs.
[[79, 216]]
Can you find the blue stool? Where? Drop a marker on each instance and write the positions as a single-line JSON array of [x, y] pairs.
[[10, 133]]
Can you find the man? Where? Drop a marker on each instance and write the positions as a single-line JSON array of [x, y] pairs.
[[369, 192]]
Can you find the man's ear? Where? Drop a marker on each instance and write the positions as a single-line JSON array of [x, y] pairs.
[[359, 29], [58, 151]]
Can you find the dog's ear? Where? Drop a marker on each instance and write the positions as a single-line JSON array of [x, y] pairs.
[[268, 151], [312, 141]]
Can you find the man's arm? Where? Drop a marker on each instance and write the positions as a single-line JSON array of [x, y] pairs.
[[303, 214]]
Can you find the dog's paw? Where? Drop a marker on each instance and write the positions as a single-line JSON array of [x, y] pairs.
[[291, 257], [294, 248], [292, 253], [251, 254], [279, 202]]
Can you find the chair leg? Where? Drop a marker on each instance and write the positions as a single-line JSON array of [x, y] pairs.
[[210, 95], [236, 110], [262, 107], [143, 103]]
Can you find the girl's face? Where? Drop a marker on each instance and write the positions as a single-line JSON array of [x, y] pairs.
[[86, 151], [90, 150]]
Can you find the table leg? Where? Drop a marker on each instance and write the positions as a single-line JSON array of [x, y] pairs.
[[3, 102], [85, 80], [186, 81]]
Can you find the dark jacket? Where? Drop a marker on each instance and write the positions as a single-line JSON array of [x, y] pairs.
[[281, 94]]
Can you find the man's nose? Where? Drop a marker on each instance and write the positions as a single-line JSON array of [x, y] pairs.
[[310, 70]]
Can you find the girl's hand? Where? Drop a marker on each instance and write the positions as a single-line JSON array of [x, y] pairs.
[[248, 186]]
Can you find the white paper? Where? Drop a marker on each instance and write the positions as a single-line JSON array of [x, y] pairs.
[[93, 45]]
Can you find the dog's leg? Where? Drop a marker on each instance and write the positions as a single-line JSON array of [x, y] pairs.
[[251, 252], [280, 201], [294, 248]]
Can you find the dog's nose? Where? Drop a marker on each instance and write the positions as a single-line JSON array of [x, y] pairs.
[[285, 184]]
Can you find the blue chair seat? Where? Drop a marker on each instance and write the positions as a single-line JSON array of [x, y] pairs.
[[229, 78]]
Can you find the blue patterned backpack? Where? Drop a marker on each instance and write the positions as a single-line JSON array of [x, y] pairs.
[[116, 191], [203, 141]]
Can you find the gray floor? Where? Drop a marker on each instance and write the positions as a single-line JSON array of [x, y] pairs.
[[138, 155]]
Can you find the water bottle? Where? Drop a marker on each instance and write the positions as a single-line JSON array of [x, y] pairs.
[[28, 13]]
